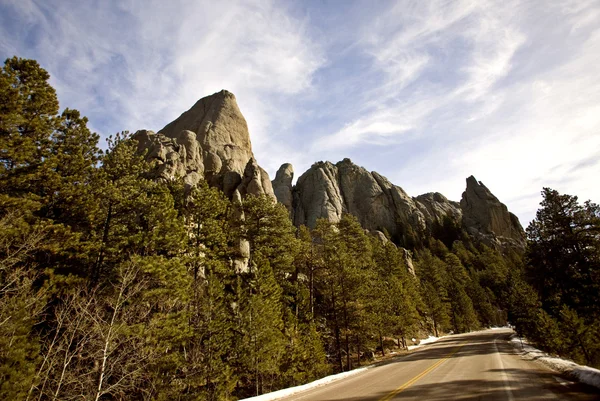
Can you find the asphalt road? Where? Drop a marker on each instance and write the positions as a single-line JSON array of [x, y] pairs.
[[474, 366]]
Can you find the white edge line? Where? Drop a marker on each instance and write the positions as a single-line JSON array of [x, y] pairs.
[[504, 376]]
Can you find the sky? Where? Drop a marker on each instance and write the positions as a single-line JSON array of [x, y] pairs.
[[424, 92]]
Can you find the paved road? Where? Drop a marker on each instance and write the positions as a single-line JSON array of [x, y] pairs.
[[474, 366]]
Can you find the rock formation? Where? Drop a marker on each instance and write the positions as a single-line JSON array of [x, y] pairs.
[[209, 141], [282, 185], [328, 190], [409, 261], [436, 207], [486, 218]]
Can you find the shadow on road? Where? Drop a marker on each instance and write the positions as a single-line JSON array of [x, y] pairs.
[[524, 383], [474, 344], [522, 387]]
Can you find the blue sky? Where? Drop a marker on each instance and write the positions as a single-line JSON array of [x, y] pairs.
[[424, 92]]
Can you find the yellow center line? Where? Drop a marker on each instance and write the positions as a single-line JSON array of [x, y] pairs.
[[419, 376]]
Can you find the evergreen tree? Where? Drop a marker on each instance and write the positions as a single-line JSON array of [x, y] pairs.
[[353, 267], [563, 265], [393, 294], [21, 305], [209, 369], [46, 161], [262, 344], [133, 214], [270, 232], [564, 253], [27, 121], [463, 314], [432, 275], [306, 267]]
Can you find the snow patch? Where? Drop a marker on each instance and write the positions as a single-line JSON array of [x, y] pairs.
[[317, 383], [584, 374], [428, 340], [275, 395]]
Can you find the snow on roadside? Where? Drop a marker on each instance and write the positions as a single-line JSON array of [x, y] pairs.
[[584, 374], [317, 383], [275, 395], [428, 340]]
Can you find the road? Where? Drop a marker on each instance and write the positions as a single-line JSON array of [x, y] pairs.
[[474, 366]]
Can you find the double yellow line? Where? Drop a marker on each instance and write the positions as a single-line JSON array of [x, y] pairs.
[[419, 376]]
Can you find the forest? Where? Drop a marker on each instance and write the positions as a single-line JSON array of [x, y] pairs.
[[118, 286]]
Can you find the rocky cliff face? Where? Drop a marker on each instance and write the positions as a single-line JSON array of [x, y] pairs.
[[328, 190], [487, 219], [282, 185], [209, 141], [436, 207]]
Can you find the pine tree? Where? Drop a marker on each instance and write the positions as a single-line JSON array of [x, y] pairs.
[[209, 369], [563, 265], [268, 228], [21, 305], [305, 266], [463, 316], [27, 121], [343, 257], [262, 342], [393, 294], [327, 288], [432, 275], [563, 253], [46, 161], [133, 214]]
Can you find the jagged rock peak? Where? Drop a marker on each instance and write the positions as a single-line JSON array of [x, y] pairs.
[[485, 217], [221, 130], [327, 191], [436, 207], [282, 185], [210, 141]]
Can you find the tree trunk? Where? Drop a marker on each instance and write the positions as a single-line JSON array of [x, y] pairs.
[[311, 281], [346, 328], [357, 350], [107, 341], [100, 259], [588, 359], [337, 331], [348, 361]]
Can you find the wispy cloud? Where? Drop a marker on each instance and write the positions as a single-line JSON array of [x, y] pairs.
[[141, 63], [498, 95], [413, 44], [425, 92]]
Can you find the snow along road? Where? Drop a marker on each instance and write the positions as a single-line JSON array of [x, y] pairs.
[[474, 366]]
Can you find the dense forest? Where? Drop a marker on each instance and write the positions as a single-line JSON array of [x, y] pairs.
[[114, 285]]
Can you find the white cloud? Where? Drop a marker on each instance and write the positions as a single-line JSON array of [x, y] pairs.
[[494, 47], [428, 30], [497, 95], [505, 90], [545, 133], [142, 63]]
